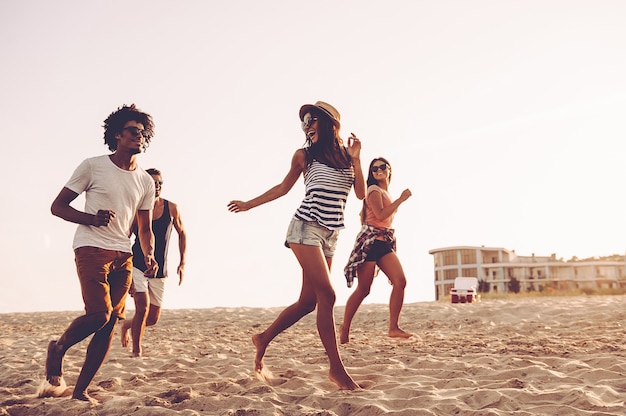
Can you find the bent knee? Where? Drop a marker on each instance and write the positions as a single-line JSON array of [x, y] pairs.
[[100, 319], [363, 291], [400, 283], [307, 307], [151, 322], [141, 312], [327, 297]]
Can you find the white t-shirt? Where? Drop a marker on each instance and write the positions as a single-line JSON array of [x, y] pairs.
[[106, 186]]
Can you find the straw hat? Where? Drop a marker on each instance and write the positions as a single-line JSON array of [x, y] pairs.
[[325, 108]]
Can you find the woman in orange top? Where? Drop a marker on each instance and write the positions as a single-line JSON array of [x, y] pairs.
[[375, 248]]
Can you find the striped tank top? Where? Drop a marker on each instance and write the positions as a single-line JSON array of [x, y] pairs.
[[326, 192]]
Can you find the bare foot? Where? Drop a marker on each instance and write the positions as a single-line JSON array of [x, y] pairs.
[[54, 364], [126, 332], [136, 354], [399, 333], [260, 345], [48, 390], [344, 336], [84, 397], [264, 375], [343, 380]]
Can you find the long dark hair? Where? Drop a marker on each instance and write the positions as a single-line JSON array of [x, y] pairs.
[[372, 181], [329, 148]]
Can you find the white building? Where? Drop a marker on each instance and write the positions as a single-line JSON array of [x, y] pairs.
[[496, 267]]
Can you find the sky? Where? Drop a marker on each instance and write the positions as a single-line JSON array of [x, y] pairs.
[[504, 118]]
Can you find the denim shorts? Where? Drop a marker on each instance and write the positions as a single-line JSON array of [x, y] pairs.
[[310, 233]]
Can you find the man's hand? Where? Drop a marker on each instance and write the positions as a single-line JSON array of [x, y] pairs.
[[103, 218], [151, 266], [237, 206], [181, 273]]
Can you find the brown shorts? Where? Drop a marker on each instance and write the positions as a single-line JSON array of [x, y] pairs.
[[105, 277]]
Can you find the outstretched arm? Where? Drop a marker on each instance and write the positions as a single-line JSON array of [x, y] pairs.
[[182, 240], [298, 163], [146, 239]]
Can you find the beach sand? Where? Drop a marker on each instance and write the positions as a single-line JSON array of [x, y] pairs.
[[525, 356]]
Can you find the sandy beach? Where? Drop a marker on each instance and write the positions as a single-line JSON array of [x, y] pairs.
[[526, 356]]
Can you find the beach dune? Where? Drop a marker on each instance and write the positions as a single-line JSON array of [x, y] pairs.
[[519, 356]]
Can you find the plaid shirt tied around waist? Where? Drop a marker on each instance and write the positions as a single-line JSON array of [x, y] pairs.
[[364, 241]]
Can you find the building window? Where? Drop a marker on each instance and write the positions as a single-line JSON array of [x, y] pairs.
[[449, 258], [470, 272], [450, 274], [468, 256]]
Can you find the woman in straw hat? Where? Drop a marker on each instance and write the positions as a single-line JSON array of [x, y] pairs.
[[330, 170], [375, 247]]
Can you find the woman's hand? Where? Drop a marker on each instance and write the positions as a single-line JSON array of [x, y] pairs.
[[354, 146], [406, 194]]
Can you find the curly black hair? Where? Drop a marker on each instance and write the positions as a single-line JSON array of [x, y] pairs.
[[115, 122]]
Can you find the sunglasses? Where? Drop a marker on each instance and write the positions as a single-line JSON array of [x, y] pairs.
[[159, 182], [382, 167], [306, 123], [136, 131]]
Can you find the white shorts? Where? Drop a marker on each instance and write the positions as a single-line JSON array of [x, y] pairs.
[[154, 286]]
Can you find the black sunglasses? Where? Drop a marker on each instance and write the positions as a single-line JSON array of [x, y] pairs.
[[382, 167], [306, 123], [135, 131]]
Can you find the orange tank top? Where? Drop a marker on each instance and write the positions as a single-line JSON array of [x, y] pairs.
[[370, 218]]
